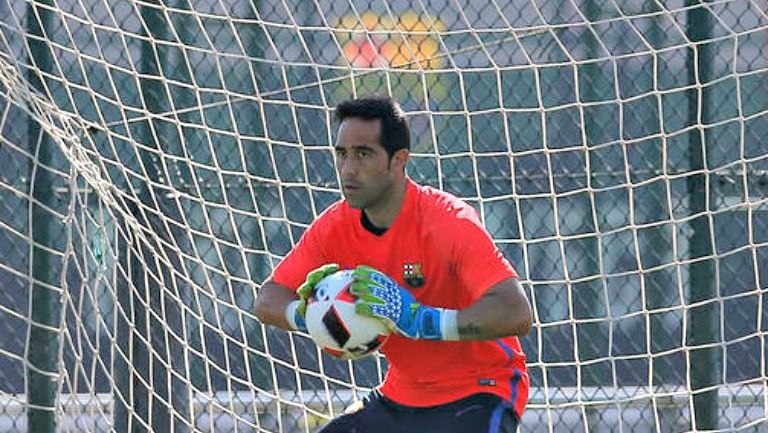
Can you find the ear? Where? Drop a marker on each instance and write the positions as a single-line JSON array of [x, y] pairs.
[[400, 159]]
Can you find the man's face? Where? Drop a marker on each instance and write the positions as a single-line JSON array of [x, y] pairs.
[[362, 162]]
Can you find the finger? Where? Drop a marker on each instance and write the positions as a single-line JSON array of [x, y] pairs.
[[363, 271], [371, 299], [359, 274], [371, 277], [363, 292], [363, 309], [381, 279], [358, 288], [305, 290], [328, 269], [314, 277], [365, 284]]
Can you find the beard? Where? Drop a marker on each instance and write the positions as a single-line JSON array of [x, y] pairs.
[[368, 196]]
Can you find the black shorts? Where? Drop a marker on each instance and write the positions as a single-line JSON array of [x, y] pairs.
[[478, 413]]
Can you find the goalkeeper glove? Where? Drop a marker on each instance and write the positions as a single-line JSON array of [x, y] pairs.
[[296, 310], [380, 296]]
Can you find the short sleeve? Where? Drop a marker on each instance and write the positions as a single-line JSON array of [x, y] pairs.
[[479, 264], [306, 256]]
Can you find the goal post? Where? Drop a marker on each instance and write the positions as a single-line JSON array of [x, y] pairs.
[[159, 157]]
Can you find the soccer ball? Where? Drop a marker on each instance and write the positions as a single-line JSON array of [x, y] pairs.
[[335, 326]]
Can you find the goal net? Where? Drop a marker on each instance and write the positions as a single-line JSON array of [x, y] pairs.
[[158, 158]]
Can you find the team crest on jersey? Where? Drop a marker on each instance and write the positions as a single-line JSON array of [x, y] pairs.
[[413, 275]]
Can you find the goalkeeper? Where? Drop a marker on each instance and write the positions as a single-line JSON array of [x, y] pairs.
[[423, 264]]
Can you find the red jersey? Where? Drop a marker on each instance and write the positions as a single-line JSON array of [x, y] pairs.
[[438, 245]]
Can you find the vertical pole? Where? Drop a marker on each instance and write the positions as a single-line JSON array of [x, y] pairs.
[[703, 320], [592, 376], [254, 48], [153, 400], [146, 402], [181, 391], [42, 350]]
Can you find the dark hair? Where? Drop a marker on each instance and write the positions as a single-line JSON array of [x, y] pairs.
[[395, 133]]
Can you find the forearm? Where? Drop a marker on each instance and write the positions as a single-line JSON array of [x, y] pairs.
[[271, 303], [501, 312], [486, 320]]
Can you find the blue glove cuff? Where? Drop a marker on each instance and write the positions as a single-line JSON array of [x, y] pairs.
[[295, 320], [436, 323], [428, 323]]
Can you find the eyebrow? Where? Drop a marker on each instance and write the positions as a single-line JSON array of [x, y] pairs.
[[356, 147]]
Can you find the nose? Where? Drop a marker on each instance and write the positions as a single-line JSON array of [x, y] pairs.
[[347, 167]]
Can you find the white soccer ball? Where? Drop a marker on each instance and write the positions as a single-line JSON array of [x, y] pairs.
[[335, 326]]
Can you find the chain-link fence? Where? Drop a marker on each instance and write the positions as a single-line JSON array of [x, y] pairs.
[[616, 152]]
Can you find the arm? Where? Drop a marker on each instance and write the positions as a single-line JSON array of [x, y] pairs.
[[504, 310], [280, 306], [271, 303], [501, 311]]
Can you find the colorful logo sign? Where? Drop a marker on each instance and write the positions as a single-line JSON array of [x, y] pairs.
[[409, 41]]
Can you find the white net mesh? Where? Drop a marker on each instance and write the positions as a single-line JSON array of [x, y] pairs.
[[157, 159]]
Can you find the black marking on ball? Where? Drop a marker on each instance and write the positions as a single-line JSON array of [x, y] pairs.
[[335, 327], [368, 347]]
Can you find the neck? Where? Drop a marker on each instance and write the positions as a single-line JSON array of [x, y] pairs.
[[384, 213]]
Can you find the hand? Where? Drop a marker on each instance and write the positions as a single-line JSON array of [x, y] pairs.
[[380, 296], [307, 288], [296, 310]]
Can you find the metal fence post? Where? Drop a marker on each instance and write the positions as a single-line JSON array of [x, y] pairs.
[[703, 320], [42, 347]]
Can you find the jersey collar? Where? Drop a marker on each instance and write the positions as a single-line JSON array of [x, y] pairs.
[[411, 192]]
